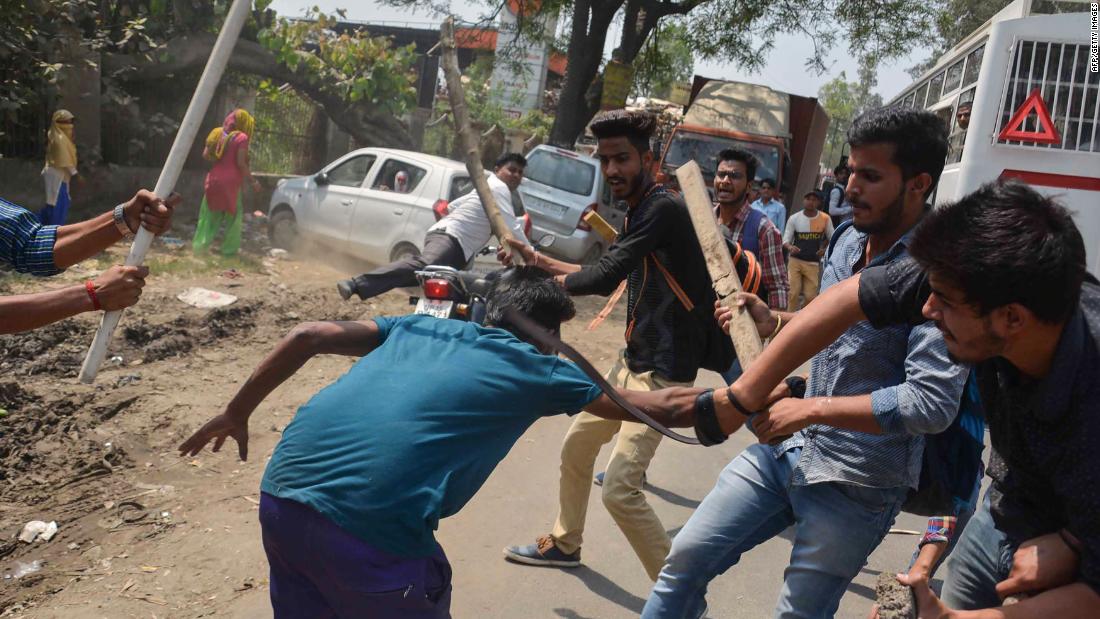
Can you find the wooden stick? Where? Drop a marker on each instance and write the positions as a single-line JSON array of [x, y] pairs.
[[169, 174], [457, 95], [723, 275]]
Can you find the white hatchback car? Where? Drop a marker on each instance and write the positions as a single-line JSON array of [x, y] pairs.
[[373, 203]]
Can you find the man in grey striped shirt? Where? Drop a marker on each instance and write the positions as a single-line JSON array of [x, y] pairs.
[[846, 454]]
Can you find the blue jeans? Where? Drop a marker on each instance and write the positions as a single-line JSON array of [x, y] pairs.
[[321, 571], [982, 559], [733, 373], [836, 527]]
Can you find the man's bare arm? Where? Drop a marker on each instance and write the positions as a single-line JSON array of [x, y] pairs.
[[673, 407], [79, 241], [352, 338], [819, 324]]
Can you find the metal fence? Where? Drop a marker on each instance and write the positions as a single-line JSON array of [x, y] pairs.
[[287, 133]]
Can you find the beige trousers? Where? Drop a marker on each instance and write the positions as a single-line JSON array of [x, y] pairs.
[[805, 277], [622, 486]]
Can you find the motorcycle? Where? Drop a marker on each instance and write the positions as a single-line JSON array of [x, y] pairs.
[[462, 295]]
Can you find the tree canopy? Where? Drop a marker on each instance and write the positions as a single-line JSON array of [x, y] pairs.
[[362, 83], [665, 59]]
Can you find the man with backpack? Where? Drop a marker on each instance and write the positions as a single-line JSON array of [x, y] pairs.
[[838, 207], [747, 226], [838, 464], [1002, 275], [670, 334]]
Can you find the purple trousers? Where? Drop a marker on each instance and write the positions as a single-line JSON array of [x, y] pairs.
[[321, 571]]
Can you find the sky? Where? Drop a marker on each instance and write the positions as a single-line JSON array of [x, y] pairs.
[[784, 71]]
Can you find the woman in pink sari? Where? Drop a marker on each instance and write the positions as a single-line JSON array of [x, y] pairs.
[[227, 147]]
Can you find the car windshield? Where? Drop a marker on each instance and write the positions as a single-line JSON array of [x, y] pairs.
[[561, 171], [704, 149]]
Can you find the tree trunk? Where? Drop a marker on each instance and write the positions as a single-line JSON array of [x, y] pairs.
[[591, 19], [364, 121]]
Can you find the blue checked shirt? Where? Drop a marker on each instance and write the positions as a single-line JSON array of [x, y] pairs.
[[915, 390], [25, 243]]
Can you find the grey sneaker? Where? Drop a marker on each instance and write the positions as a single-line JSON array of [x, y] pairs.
[[543, 552]]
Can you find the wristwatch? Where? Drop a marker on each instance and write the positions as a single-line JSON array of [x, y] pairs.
[[120, 221]]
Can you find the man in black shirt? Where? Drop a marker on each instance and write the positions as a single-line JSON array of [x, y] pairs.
[[670, 334], [1002, 274]]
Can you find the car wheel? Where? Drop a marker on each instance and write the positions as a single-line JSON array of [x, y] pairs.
[[592, 256], [402, 251], [283, 230]]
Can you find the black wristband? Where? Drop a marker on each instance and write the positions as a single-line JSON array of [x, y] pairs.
[[797, 385], [707, 428], [737, 403]]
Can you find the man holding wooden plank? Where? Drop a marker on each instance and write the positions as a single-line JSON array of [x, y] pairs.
[[670, 334], [853, 445]]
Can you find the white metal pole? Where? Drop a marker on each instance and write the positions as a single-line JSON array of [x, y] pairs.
[[189, 128]]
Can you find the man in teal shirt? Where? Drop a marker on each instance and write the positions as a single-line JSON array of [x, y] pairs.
[[355, 489]]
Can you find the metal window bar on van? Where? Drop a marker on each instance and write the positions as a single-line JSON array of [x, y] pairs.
[[1058, 80], [1084, 100], [1069, 99]]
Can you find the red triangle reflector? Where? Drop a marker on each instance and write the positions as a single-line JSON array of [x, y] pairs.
[[1032, 105]]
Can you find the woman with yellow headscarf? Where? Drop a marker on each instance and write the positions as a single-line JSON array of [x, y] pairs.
[[60, 168], [227, 147]]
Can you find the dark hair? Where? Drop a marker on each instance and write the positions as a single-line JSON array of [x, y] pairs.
[[507, 158], [841, 168], [966, 104], [635, 126], [531, 291], [919, 139], [767, 181], [813, 194], [738, 154], [1006, 243]]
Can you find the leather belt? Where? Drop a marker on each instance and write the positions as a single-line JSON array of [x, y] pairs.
[[551, 342]]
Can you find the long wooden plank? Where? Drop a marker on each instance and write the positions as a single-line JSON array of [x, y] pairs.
[[470, 150], [169, 174], [746, 340]]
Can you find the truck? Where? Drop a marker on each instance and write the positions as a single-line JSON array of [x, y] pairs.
[[786, 132], [1030, 78]]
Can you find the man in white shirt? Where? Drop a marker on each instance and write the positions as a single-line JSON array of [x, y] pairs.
[[453, 240], [806, 236]]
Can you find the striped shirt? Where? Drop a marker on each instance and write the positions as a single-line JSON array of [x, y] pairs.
[[770, 256], [915, 390], [25, 243]]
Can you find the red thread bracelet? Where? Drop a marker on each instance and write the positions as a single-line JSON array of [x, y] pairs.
[[90, 287]]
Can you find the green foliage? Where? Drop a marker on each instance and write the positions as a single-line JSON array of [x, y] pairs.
[[954, 20], [355, 67], [843, 101], [666, 58]]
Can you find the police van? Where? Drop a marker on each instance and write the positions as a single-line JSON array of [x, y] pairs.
[[1021, 96]]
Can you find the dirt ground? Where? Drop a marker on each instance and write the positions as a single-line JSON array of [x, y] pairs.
[[144, 532]]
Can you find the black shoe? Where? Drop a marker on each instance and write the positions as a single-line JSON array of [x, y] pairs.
[[346, 288], [543, 552]]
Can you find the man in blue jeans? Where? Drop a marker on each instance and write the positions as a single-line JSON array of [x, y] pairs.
[[844, 457], [1002, 275], [362, 476]]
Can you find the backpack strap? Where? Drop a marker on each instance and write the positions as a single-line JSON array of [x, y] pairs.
[[840, 230], [750, 234], [673, 284]]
